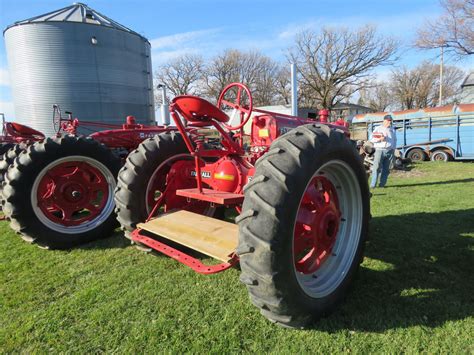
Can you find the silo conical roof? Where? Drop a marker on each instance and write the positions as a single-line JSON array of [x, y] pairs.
[[77, 12]]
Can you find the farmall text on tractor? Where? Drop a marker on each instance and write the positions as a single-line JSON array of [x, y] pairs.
[[299, 188]]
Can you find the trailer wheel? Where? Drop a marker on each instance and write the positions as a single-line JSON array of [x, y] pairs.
[[416, 155], [158, 164], [59, 192], [440, 155], [303, 225]]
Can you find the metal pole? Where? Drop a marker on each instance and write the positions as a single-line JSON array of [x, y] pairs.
[[440, 101], [294, 91], [165, 113]]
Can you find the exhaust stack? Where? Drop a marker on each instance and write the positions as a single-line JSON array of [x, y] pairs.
[[294, 91], [164, 109]]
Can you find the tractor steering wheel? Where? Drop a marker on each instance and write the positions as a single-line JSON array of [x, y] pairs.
[[57, 119], [245, 111], [65, 125]]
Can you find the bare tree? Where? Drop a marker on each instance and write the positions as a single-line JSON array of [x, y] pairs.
[[336, 63], [282, 85], [378, 97], [419, 87], [452, 80], [221, 71], [181, 75], [255, 70], [190, 75], [264, 90], [454, 29], [404, 85]]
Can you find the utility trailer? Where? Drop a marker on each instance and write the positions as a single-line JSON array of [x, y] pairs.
[[439, 134], [299, 187]]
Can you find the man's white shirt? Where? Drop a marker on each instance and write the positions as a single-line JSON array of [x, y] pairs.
[[390, 141]]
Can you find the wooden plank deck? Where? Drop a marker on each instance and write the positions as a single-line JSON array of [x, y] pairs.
[[207, 235]]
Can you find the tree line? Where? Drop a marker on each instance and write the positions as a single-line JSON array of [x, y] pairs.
[[407, 89], [335, 65]]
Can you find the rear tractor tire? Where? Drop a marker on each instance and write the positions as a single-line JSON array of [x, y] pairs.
[[303, 225], [6, 160], [4, 147], [59, 192], [147, 173]]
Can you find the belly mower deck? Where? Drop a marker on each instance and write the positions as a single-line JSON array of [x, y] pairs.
[[209, 236]]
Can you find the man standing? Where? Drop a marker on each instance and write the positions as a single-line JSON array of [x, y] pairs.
[[385, 142]]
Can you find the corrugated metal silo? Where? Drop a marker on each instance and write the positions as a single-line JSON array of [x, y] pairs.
[[83, 61]]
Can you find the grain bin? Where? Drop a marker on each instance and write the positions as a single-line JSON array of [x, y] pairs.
[[83, 61]]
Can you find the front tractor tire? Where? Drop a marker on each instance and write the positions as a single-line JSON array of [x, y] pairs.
[[303, 225], [59, 192], [132, 205]]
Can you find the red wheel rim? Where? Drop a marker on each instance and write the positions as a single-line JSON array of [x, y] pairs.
[[317, 225], [173, 174], [72, 193]]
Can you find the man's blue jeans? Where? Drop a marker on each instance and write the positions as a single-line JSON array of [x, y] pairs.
[[381, 167]]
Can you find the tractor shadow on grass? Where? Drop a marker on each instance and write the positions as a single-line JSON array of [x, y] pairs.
[[116, 241], [446, 182], [418, 271]]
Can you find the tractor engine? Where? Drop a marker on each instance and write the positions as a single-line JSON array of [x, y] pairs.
[[266, 128]]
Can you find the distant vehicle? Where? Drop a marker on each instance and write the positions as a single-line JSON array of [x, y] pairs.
[[439, 134]]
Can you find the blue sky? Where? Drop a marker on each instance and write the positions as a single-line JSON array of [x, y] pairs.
[[209, 26]]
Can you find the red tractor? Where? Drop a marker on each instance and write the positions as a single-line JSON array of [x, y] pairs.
[[15, 136], [299, 187], [15, 133], [58, 191]]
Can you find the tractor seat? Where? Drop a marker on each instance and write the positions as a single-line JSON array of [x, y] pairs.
[[197, 110], [17, 129]]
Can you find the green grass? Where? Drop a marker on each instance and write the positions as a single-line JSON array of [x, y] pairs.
[[414, 292]]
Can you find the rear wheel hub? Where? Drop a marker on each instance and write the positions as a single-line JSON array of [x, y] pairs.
[[317, 225], [71, 193]]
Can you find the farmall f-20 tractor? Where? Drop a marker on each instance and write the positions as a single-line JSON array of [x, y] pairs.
[[299, 187], [58, 191], [14, 133]]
